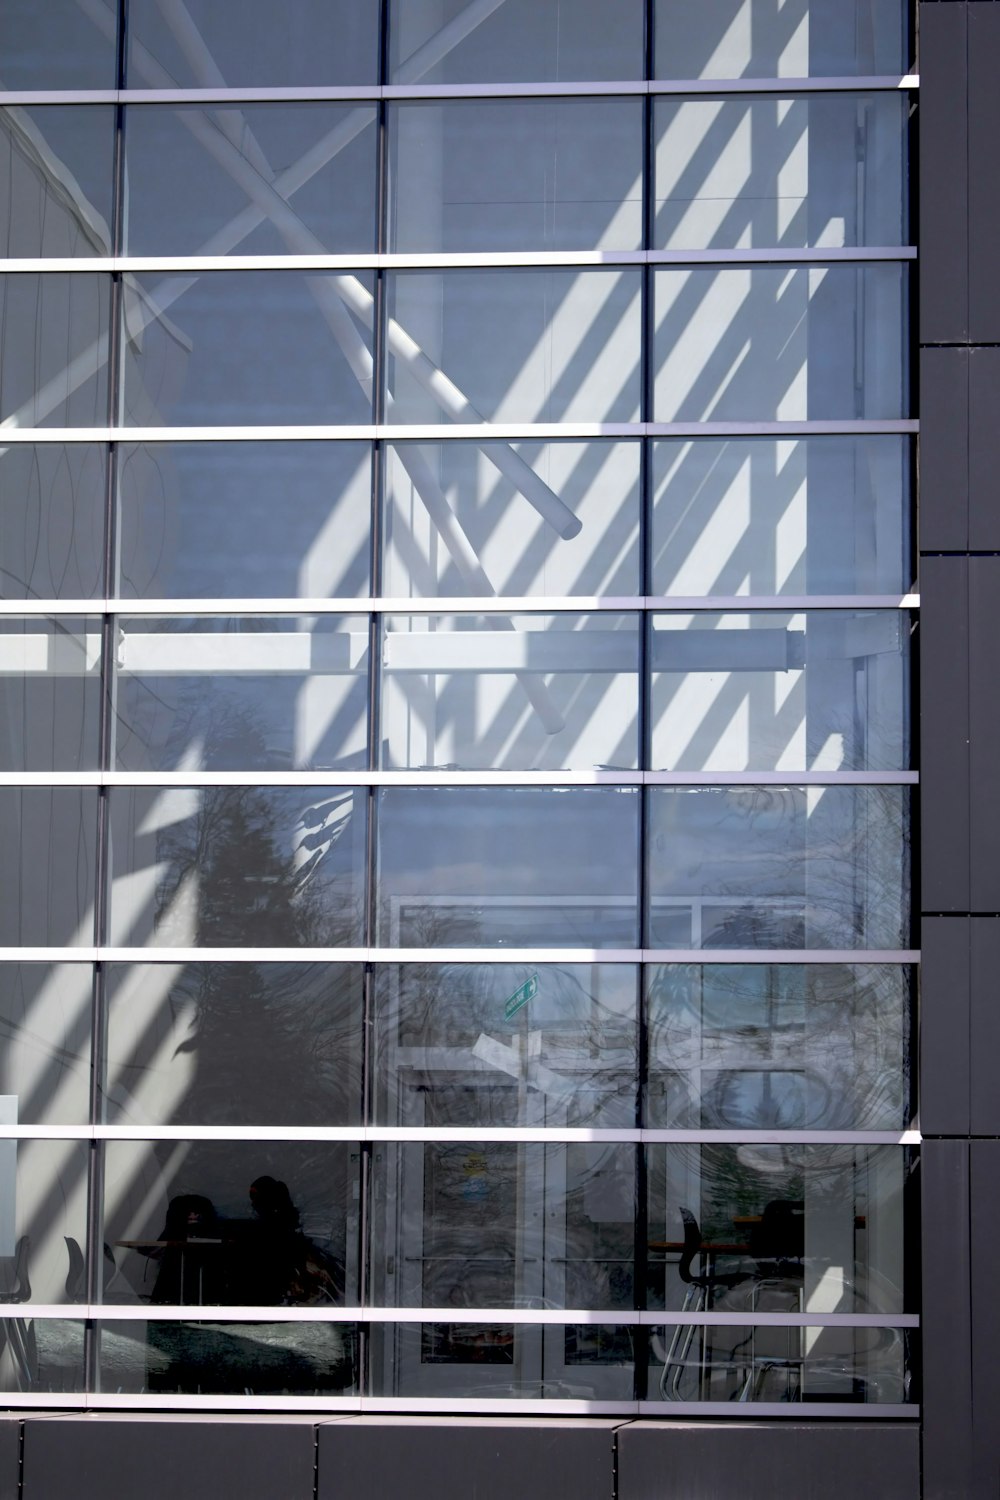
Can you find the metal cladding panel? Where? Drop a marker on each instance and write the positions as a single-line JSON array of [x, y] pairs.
[[983, 177], [430, 1459], [984, 733], [10, 1458], [984, 1049], [984, 448], [984, 1178], [944, 1025], [944, 450], [747, 1461], [946, 1327], [944, 174], [137, 1458], [944, 734]]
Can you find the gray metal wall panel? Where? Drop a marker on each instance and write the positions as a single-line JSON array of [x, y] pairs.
[[944, 187], [984, 1178], [946, 1330], [984, 733], [135, 1458], [984, 446], [944, 1025], [944, 450], [433, 1460], [750, 1461], [944, 733], [984, 1102], [983, 176], [10, 1458]]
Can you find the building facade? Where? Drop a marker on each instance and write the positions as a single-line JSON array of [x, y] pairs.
[[458, 495]]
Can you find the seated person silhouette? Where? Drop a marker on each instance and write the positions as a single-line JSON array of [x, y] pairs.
[[285, 1267], [777, 1243], [190, 1253]]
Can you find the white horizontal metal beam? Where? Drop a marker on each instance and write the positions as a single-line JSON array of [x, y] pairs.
[[88, 953], [451, 1406], [531, 1317], [452, 260], [506, 432], [422, 1134], [520, 604], [450, 778], [335, 94]]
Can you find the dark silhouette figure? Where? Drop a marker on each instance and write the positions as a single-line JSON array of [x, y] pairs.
[[286, 1267], [190, 1255]]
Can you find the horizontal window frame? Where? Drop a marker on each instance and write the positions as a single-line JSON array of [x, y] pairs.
[[433, 432], [157, 1312], [163, 779], [456, 1406], [374, 93], [429, 1134], [451, 260], [91, 953], [475, 604]]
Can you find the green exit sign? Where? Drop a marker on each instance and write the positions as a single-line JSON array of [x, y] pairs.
[[527, 991]]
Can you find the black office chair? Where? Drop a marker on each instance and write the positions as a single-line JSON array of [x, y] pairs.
[[76, 1281], [18, 1334], [698, 1269]]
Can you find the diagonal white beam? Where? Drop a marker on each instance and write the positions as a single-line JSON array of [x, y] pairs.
[[269, 193]]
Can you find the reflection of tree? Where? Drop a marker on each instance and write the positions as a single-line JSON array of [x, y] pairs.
[[266, 873], [272, 867], [278, 1043]]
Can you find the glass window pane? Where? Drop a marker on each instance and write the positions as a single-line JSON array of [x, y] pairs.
[[229, 1359], [779, 343], [252, 43], [244, 347], [779, 867], [515, 346], [798, 39], [270, 1223], [820, 169], [244, 520], [45, 1021], [46, 1354], [515, 41], [49, 837], [233, 1044], [508, 867], [519, 518], [513, 693], [514, 1361], [794, 1228], [43, 1219], [57, 45], [516, 1044], [229, 866], [816, 515], [240, 693], [52, 504], [748, 1362], [56, 179], [261, 179], [54, 355], [50, 690], [525, 174], [488, 1224], [824, 691], [778, 1046]]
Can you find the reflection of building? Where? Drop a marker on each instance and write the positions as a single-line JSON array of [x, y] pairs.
[[456, 773]]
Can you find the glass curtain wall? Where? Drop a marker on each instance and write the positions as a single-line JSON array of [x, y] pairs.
[[455, 573]]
